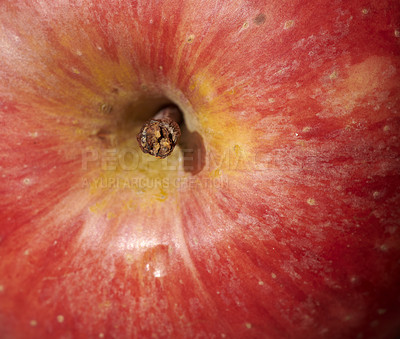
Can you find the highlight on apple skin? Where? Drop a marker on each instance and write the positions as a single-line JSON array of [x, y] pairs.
[[275, 216]]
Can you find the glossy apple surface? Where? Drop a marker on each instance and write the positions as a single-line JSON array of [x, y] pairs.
[[276, 217]]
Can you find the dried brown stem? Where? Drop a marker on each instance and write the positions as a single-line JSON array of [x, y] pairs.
[[159, 135]]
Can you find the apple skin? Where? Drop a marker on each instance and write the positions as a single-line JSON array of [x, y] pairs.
[[297, 106]]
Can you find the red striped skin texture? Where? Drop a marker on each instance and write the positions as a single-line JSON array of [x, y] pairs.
[[284, 225]]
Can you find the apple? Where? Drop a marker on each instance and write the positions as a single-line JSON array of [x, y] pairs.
[[277, 214]]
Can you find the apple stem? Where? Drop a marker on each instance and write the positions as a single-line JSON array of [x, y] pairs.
[[159, 135]]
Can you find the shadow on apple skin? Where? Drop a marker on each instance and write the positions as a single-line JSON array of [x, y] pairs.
[[137, 112], [194, 151]]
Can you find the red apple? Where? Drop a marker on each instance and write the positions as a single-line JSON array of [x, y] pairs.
[[277, 215]]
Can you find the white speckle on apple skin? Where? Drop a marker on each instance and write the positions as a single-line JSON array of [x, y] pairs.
[[333, 75], [60, 318], [101, 335], [190, 39], [381, 311], [1, 288], [261, 283], [397, 33], [311, 201], [76, 71], [364, 11], [78, 52], [288, 24], [248, 325], [273, 275], [157, 273], [34, 134], [354, 280], [391, 229], [384, 248], [347, 317], [26, 252], [27, 181], [33, 323]]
